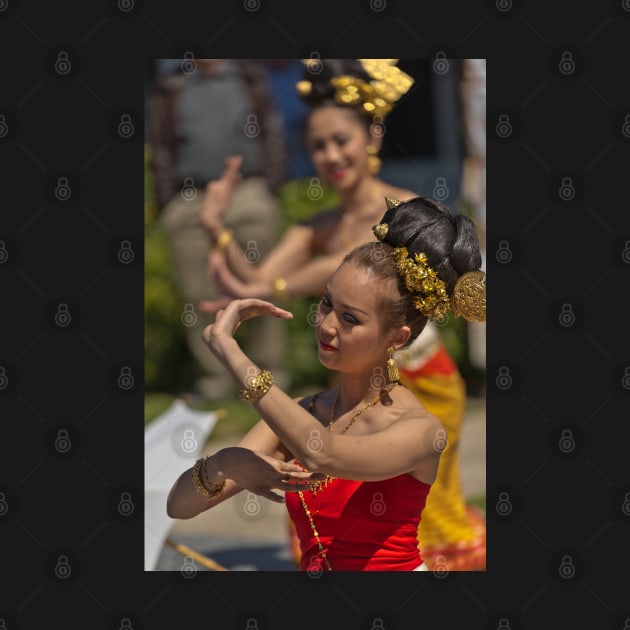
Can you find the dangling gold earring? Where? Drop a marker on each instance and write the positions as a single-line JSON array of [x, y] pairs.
[[392, 367], [374, 162]]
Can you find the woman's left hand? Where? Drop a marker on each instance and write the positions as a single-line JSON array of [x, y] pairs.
[[230, 318], [262, 474]]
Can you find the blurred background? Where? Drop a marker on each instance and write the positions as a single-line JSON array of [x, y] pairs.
[[434, 143]]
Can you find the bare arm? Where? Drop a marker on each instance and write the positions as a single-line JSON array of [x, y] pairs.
[[310, 279], [257, 461], [409, 442], [306, 281], [292, 251]]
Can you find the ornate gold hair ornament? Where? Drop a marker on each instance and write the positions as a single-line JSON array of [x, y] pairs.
[[469, 297], [432, 299], [376, 97], [469, 293]]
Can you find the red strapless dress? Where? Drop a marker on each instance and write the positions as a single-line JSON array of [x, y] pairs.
[[363, 526]]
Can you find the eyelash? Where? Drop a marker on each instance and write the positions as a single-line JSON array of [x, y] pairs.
[[349, 318]]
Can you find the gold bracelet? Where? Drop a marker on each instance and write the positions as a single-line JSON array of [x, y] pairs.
[[280, 288], [201, 489], [215, 488], [211, 459], [222, 240], [258, 387]]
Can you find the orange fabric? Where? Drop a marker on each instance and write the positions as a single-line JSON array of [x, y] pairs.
[[452, 535], [464, 555], [440, 363]]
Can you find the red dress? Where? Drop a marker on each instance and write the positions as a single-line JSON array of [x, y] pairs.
[[363, 526]]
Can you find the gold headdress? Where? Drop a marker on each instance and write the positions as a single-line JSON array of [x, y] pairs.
[[469, 293], [432, 299], [376, 98]]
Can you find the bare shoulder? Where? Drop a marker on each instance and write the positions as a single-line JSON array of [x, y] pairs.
[[406, 399], [322, 219], [410, 408]]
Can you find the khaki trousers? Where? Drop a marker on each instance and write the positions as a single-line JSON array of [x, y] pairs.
[[254, 215]]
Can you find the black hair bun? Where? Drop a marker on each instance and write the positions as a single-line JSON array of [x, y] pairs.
[[449, 239]]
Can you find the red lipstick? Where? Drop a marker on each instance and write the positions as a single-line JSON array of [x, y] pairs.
[[326, 347]]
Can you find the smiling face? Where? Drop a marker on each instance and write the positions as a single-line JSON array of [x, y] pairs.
[[351, 331], [337, 141]]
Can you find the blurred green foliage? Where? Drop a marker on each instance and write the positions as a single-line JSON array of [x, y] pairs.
[[300, 199], [164, 343]]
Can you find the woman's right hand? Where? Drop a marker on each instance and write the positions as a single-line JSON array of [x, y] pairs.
[[230, 286], [261, 474], [218, 196]]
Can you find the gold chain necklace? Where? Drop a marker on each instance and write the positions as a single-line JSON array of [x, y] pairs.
[[318, 486]]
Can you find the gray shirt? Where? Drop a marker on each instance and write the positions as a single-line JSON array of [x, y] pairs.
[[214, 119]]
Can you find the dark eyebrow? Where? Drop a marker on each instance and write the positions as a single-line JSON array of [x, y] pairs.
[[346, 306], [353, 308]]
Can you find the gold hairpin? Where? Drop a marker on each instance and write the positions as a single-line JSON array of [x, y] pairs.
[[380, 231]]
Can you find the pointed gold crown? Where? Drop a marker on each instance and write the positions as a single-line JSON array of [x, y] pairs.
[[380, 230], [376, 97]]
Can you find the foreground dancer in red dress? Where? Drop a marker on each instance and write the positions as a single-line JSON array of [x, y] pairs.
[[349, 101], [356, 462]]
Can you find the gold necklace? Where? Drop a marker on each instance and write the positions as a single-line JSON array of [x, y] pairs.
[[318, 486]]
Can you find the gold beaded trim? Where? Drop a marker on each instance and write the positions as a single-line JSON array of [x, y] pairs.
[[320, 547]]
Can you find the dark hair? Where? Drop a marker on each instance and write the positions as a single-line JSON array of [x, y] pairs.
[[323, 91], [422, 224]]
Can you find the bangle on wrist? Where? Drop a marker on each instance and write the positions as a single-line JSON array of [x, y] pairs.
[[257, 388], [280, 288], [216, 468], [214, 490], [223, 240]]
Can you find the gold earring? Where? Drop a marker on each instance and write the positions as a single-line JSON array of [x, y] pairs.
[[392, 367], [374, 162]]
